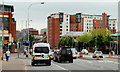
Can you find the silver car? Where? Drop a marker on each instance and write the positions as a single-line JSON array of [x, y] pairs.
[[98, 54]]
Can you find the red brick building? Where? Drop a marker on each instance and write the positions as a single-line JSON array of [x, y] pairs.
[[9, 23], [60, 24], [53, 31], [76, 26]]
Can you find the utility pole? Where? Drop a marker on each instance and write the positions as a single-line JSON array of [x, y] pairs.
[[2, 27]]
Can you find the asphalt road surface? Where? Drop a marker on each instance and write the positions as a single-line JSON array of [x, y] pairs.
[[78, 64]]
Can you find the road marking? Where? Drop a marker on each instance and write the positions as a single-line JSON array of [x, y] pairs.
[[59, 66]]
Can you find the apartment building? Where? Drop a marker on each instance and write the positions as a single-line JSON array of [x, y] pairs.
[[113, 25], [58, 25], [9, 23]]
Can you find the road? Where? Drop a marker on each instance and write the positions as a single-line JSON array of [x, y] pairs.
[[78, 64]]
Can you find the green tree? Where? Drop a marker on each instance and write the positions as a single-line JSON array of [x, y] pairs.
[[66, 41], [31, 39]]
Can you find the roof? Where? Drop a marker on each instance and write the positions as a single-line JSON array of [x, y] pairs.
[[116, 34], [8, 5], [75, 34]]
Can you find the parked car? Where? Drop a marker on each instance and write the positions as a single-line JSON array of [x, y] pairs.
[[79, 54], [41, 54], [65, 54], [56, 52], [51, 54], [74, 53], [98, 53], [85, 51]]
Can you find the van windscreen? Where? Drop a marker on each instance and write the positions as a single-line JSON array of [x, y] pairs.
[[41, 50]]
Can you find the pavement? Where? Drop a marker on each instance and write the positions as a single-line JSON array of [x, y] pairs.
[[13, 64]]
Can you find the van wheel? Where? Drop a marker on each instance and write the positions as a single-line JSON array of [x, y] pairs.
[[32, 63], [49, 64]]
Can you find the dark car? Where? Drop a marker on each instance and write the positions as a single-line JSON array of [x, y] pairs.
[[65, 54], [56, 52]]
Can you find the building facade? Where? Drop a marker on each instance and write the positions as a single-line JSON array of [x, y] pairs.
[[113, 25], [60, 24], [31, 31], [9, 23], [43, 31]]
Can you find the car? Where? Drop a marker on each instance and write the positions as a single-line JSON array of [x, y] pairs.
[[41, 54], [74, 53], [65, 54], [51, 54], [98, 54], [85, 51], [79, 54], [56, 52]]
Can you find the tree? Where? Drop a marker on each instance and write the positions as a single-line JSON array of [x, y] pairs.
[[31, 39], [66, 41]]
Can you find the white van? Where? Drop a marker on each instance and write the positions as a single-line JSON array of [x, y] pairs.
[[41, 54]]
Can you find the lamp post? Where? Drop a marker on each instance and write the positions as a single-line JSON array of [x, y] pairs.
[[29, 19], [2, 27]]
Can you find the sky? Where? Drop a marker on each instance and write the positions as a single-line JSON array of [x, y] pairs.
[[39, 13]]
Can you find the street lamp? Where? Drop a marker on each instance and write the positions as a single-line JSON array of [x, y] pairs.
[[2, 27], [29, 19]]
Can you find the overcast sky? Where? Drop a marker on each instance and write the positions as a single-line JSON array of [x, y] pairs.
[[39, 13]]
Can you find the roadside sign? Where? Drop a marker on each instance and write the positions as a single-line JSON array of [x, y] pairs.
[[4, 42]]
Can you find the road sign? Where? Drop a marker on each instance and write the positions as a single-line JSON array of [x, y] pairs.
[[4, 42]]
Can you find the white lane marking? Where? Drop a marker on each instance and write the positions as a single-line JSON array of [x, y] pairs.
[[59, 66]]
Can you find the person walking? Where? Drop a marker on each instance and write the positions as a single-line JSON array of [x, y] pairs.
[[8, 55]]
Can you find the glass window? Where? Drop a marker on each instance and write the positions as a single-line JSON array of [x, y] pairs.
[[41, 50], [113, 27], [113, 24], [95, 27], [66, 29]]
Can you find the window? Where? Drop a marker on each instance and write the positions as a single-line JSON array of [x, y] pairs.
[[60, 29], [87, 30], [72, 26], [87, 27], [110, 24], [60, 26], [87, 23], [95, 24], [66, 29], [67, 26], [100, 24], [76, 27], [95, 27], [113, 27], [79, 26], [110, 27], [67, 15], [41, 50], [113, 21], [67, 19], [95, 21], [113, 24], [60, 33], [113, 30]]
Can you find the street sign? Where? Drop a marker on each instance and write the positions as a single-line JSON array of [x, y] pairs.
[[4, 42]]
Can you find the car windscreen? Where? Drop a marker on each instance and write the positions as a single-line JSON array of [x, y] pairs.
[[66, 51], [41, 50], [98, 52]]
